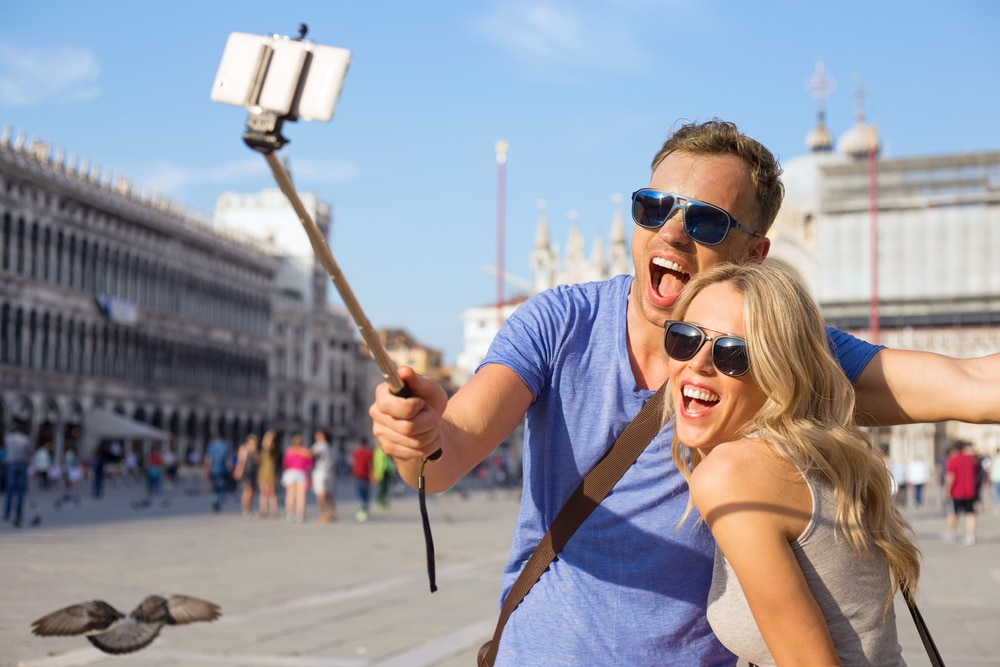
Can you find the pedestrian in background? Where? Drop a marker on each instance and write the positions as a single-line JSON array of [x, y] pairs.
[[217, 469], [324, 478], [917, 474], [383, 472], [960, 482], [170, 465], [154, 471], [267, 476], [361, 469], [18, 446], [296, 465], [41, 464], [245, 473]]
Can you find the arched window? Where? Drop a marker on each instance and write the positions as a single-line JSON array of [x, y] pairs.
[[6, 335], [5, 235]]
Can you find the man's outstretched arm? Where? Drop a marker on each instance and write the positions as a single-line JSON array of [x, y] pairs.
[[906, 387]]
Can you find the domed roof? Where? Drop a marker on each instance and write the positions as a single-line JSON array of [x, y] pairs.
[[819, 139], [859, 140]]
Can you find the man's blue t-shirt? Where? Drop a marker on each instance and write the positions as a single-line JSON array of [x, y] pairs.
[[630, 587]]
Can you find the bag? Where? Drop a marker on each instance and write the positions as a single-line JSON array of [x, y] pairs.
[[482, 660], [596, 485]]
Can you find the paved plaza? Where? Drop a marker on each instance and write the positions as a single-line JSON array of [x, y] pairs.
[[351, 594]]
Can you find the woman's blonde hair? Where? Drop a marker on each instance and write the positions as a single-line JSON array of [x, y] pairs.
[[808, 415]]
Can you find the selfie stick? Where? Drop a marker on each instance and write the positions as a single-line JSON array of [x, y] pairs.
[[308, 84]]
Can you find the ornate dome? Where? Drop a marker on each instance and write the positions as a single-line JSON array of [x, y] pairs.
[[859, 140]]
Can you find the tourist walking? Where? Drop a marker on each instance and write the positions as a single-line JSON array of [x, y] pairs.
[[217, 470], [324, 478], [962, 471], [267, 477], [296, 464], [361, 469], [245, 473], [18, 446]]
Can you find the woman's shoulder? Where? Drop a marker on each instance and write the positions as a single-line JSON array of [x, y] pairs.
[[745, 469]]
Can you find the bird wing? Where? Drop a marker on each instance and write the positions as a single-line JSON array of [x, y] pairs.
[[152, 610], [126, 636], [177, 610], [77, 619]]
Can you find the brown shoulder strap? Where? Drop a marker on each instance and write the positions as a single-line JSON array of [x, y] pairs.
[[596, 485]]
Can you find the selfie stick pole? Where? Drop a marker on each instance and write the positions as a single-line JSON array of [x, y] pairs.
[[264, 135], [382, 359]]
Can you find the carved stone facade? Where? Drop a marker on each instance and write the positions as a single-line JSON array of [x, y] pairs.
[[112, 298]]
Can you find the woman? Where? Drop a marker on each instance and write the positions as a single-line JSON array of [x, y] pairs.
[[810, 547], [245, 473], [296, 464], [267, 477], [324, 478]]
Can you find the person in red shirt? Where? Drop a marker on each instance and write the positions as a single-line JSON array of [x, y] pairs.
[[154, 471], [361, 469], [960, 484]]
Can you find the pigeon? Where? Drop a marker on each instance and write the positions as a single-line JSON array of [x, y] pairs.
[[113, 632]]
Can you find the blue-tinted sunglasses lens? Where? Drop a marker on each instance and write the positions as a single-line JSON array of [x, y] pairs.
[[705, 224], [651, 212]]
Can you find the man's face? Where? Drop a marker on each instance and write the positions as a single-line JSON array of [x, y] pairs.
[[666, 259]]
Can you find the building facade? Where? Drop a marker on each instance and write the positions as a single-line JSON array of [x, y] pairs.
[[114, 299], [315, 358], [927, 229]]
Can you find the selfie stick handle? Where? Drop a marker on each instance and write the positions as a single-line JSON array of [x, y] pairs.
[[382, 359]]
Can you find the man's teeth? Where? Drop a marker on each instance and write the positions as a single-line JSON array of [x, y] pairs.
[[699, 394], [667, 264]]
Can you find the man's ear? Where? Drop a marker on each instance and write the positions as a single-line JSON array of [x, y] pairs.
[[759, 248]]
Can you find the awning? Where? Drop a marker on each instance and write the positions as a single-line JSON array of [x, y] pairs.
[[101, 424]]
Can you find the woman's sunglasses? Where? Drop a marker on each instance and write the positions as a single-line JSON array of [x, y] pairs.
[[729, 353], [704, 223]]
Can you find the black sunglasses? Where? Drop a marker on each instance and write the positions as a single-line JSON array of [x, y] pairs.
[[729, 353], [704, 223]]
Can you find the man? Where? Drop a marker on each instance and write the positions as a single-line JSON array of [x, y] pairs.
[[217, 468], [579, 361], [18, 446], [961, 487], [361, 469]]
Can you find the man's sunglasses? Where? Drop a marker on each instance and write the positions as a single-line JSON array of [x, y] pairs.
[[729, 353], [704, 223]]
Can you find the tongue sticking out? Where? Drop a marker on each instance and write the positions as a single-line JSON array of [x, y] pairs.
[[667, 278]]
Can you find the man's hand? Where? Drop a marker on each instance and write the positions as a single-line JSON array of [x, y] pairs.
[[409, 428]]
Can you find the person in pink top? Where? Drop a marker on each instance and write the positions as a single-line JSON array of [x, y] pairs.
[[961, 480], [296, 464]]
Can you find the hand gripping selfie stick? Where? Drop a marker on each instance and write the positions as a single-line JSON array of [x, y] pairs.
[[279, 79]]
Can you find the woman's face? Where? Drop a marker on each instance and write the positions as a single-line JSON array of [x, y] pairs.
[[711, 406]]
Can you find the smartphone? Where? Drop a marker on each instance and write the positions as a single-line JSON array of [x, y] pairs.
[[293, 78]]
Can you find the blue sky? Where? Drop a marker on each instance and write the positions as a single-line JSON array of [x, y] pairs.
[[584, 92]]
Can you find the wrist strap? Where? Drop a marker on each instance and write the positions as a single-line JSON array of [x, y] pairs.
[[596, 485]]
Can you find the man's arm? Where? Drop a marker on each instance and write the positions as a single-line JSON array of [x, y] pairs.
[[906, 387], [466, 427]]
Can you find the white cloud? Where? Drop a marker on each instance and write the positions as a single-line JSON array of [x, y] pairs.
[[562, 40], [33, 76]]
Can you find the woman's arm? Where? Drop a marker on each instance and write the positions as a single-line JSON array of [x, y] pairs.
[[754, 506]]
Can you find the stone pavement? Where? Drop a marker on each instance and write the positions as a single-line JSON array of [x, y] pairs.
[[352, 594]]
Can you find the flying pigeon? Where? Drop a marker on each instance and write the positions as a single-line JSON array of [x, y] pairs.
[[112, 632]]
